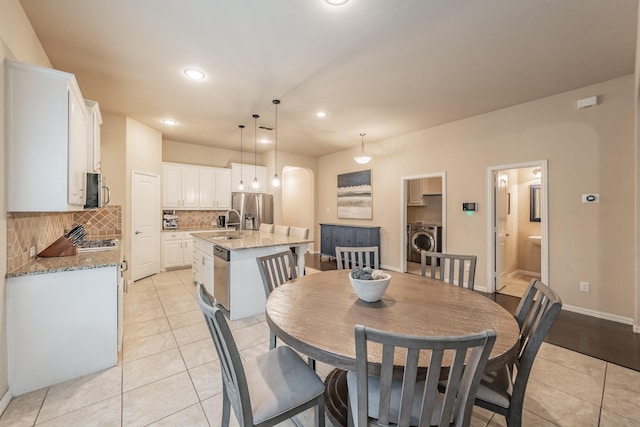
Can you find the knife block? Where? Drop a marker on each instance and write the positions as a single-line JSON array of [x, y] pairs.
[[61, 247]]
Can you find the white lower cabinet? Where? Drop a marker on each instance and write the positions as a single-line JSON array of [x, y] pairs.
[[61, 326], [202, 264], [177, 249]]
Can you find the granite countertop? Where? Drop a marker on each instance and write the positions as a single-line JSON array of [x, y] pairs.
[[250, 240], [81, 261], [197, 230]]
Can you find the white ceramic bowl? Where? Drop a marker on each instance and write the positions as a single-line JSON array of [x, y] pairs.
[[370, 290]]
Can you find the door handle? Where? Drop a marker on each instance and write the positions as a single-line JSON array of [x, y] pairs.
[[138, 232]]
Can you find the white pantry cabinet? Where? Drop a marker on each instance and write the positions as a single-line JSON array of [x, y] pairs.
[[247, 173], [46, 139], [60, 326], [177, 249], [195, 187]]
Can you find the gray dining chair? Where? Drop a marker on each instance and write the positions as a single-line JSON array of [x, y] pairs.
[[449, 268], [264, 391], [275, 270], [350, 257], [503, 391], [414, 399]]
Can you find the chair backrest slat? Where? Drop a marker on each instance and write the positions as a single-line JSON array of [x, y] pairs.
[[350, 257], [450, 268]]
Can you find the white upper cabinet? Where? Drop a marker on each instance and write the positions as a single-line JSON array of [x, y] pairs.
[[94, 120], [247, 173], [223, 188], [207, 188], [46, 122], [195, 187]]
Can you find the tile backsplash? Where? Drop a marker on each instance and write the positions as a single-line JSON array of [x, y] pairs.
[[198, 220], [40, 229]]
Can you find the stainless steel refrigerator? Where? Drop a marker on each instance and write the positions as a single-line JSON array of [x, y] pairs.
[[254, 209]]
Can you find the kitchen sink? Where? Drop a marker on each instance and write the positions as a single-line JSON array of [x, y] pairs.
[[215, 237]]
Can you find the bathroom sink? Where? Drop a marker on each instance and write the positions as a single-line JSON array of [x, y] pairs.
[[536, 240]]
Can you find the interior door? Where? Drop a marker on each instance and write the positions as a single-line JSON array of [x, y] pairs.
[[500, 227], [145, 226]]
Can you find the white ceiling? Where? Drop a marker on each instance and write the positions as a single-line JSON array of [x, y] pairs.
[[377, 66]]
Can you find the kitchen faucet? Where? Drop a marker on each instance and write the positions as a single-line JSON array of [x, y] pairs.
[[227, 222]]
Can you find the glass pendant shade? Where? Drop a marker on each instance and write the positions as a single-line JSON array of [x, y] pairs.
[[362, 158], [276, 181]]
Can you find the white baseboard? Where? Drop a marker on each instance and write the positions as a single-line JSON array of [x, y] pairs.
[[4, 402], [601, 315], [636, 329]]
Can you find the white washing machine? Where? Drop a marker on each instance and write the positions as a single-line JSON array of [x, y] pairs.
[[424, 237]]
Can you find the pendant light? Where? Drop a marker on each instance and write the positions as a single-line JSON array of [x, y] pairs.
[[362, 158], [255, 183], [276, 180], [241, 185]]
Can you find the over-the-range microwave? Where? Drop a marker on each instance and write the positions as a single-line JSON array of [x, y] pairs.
[[98, 195]]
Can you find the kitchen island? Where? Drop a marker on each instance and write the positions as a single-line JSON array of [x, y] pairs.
[[243, 294]]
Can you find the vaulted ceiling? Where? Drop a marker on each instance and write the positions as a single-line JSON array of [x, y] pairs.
[[381, 67]]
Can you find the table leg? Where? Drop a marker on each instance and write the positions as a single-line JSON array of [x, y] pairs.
[[336, 397], [301, 250]]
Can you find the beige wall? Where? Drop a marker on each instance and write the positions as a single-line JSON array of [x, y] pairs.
[[17, 41], [182, 152], [113, 139], [588, 151], [143, 154]]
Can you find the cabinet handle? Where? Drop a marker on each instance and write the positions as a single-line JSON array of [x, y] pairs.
[[138, 232]]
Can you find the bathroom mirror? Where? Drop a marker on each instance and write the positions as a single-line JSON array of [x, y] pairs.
[[534, 203]]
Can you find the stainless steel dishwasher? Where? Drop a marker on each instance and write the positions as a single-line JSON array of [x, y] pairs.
[[221, 275]]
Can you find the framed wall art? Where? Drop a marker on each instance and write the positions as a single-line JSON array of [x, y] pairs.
[[354, 195]]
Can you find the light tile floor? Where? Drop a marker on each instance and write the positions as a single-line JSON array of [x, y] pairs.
[[169, 375]]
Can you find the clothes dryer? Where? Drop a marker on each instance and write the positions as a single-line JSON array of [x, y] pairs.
[[424, 237]]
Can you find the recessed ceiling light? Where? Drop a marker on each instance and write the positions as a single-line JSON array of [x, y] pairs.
[[321, 114], [194, 74], [169, 122], [264, 141], [336, 2]]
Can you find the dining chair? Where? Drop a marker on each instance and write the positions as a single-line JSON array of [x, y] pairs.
[[503, 391], [281, 229], [266, 228], [450, 268], [298, 233], [275, 270], [350, 257], [266, 390], [414, 399]]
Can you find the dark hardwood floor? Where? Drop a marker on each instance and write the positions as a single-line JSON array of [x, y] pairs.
[[602, 339]]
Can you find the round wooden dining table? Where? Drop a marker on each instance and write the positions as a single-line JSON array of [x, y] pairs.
[[316, 315]]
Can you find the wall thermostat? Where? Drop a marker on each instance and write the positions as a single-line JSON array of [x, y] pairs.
[[470, 207]]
